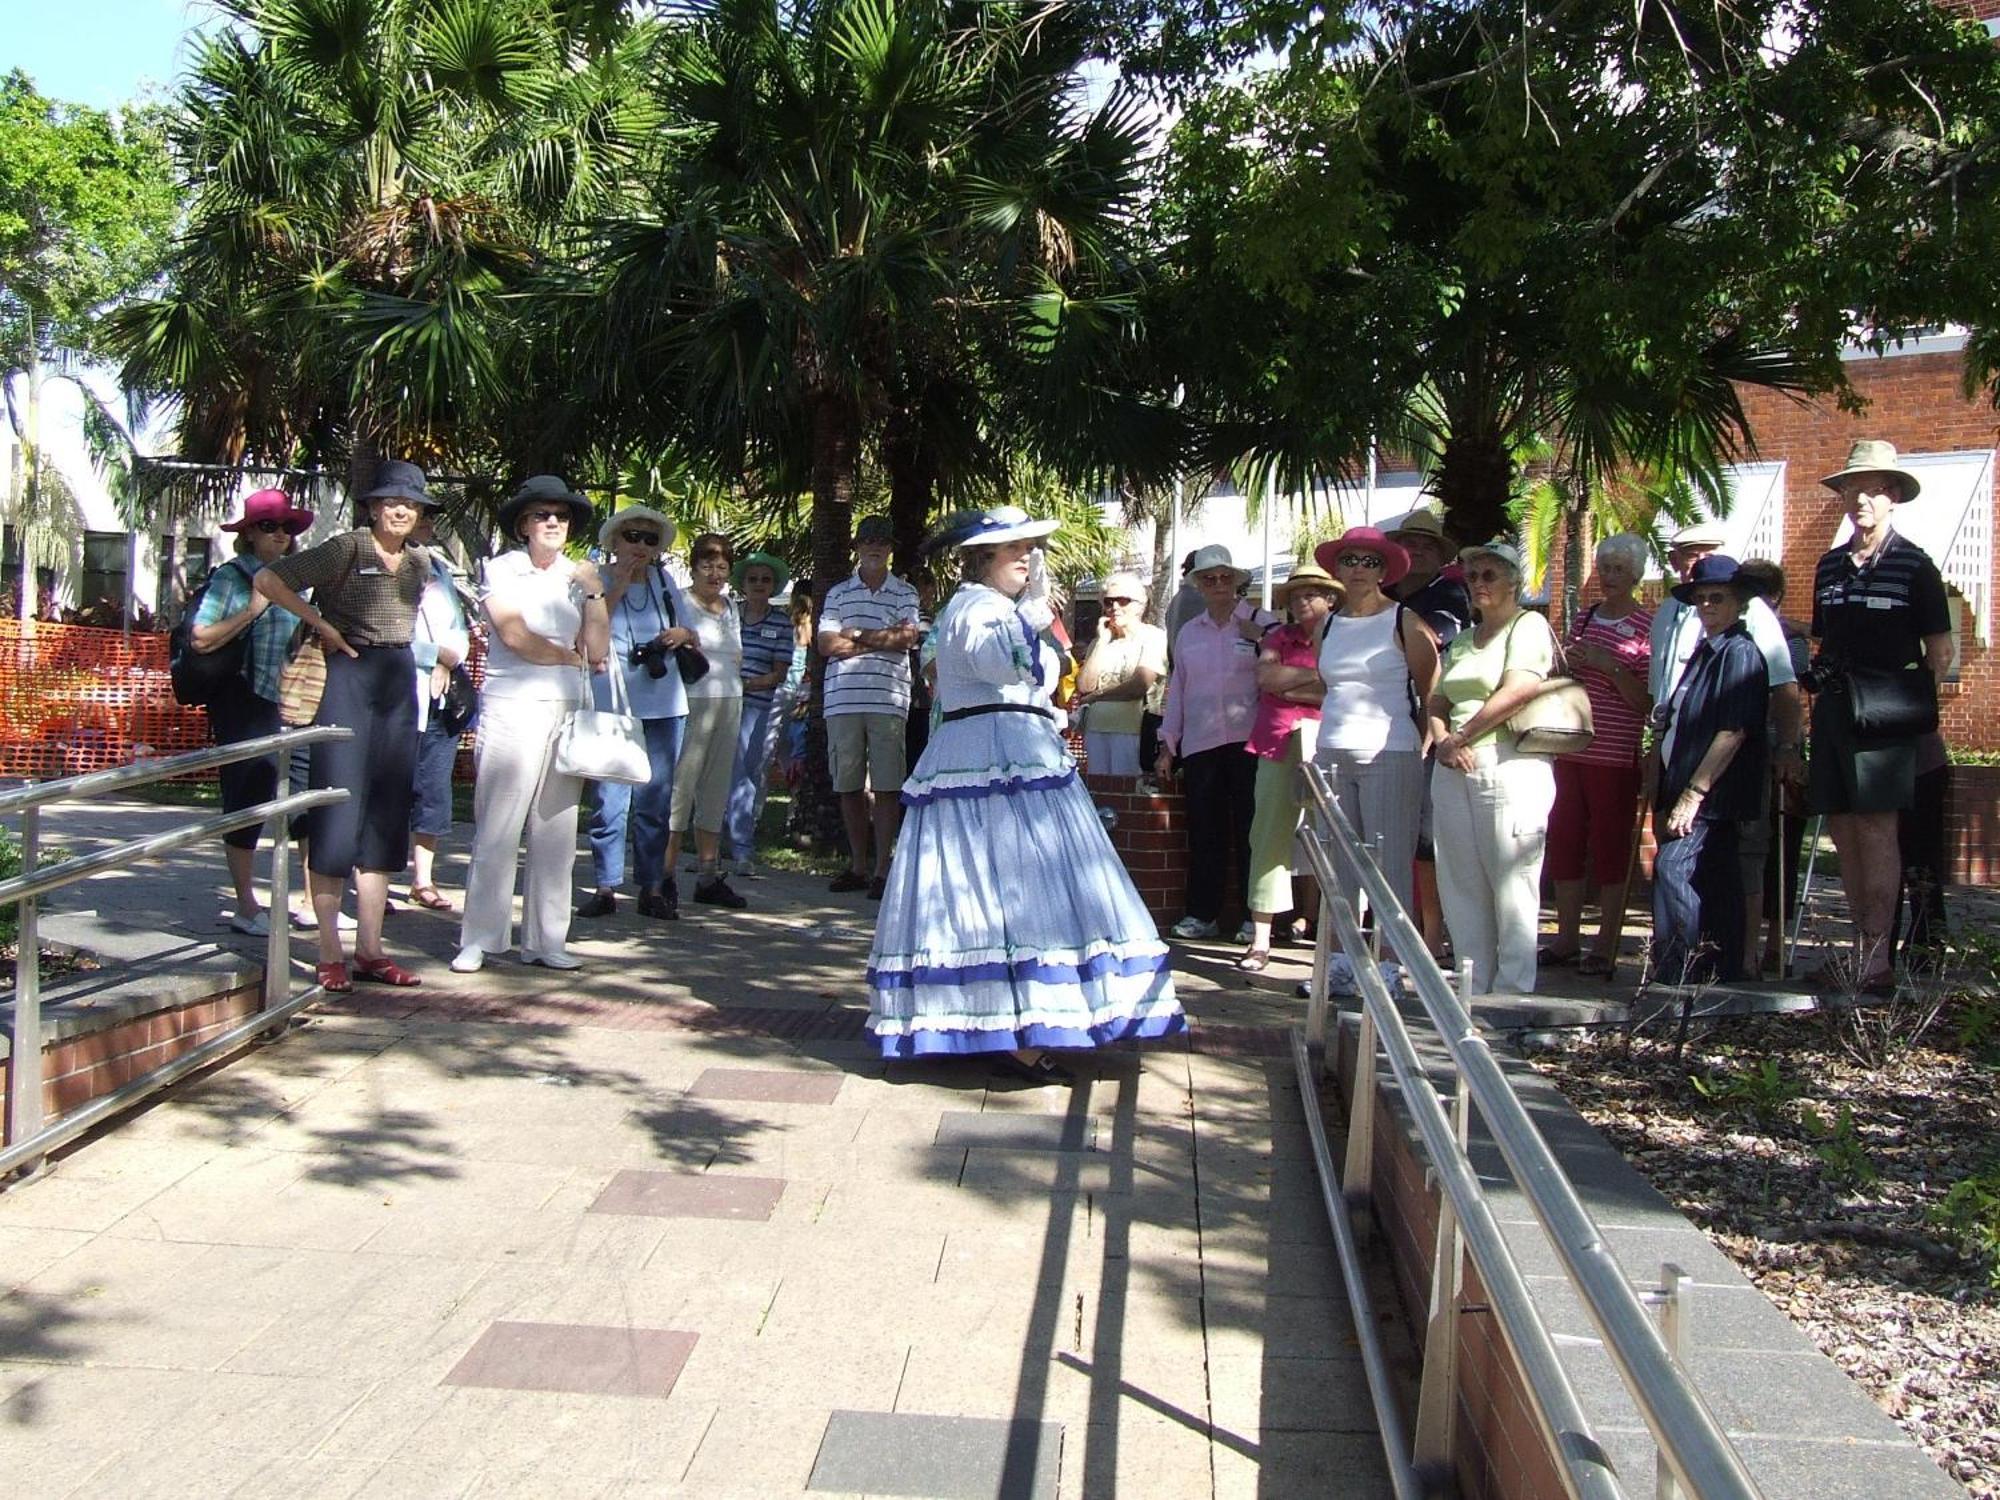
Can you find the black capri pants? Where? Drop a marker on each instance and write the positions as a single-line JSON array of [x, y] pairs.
[[375, 695], [245, 783]]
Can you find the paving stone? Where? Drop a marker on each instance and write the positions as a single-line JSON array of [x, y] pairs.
[[589, 1360], [680, 1195], [767, 1085], [1017, 1131], [950, 1458]]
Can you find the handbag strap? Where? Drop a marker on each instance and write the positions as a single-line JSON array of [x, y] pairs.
[[621, 698]]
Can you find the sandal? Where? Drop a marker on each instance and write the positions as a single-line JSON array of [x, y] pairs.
[[1593, 966], [1551, 958], [431, 898], [385, 971], [333, 978], [1256, 961]]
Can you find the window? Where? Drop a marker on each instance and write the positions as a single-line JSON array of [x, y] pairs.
[[104, 569], [1755, 525]]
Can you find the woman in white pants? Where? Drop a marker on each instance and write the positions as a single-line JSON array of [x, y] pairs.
[[1492, 801], [546, 624]]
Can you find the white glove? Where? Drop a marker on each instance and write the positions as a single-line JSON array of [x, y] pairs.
[[1034, 604]]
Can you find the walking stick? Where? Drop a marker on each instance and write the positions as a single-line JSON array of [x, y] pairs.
[[1805, 892], [1617, 921]]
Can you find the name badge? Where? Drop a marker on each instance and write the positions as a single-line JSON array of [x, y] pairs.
[[1874, 603], [1624, 630], [368, 572]]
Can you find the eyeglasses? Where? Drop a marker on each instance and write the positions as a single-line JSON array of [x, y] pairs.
[[539, 516], [1360, 560], [1210, 580], [1110, 602], [1486, 575], [271, 528], [642, 538], [1706, 597]]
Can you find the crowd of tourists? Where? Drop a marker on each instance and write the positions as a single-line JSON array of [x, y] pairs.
[[1402, 666]]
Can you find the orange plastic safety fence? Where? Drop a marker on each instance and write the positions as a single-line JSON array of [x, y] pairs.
[[76, 699]]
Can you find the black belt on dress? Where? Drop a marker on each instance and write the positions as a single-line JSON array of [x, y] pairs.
[[951, 714]]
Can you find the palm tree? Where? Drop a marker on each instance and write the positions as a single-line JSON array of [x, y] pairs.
[[370, 181]]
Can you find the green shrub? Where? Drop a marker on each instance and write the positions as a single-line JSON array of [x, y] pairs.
[[1971, 1213], [1838, 1145], [1763, 1090]]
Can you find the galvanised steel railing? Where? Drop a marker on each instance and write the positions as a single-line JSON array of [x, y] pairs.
[[29, 1137], [1695, 1455]]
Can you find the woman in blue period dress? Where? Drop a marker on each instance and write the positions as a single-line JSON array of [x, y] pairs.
[[1008, 925]]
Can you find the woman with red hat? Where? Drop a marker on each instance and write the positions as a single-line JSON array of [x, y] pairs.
[[246, 708]]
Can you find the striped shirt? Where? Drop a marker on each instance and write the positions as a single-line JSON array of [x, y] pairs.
[[767, 646], [869, 682], [1616, 722], [1878, 614], [270, 633]]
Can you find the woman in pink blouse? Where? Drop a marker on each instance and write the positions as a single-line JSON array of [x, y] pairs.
[[1287, 703], [1609, 651]]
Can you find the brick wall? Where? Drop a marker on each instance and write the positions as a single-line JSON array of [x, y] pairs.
[[1150, 835], [1972, 826], [80, 1069]]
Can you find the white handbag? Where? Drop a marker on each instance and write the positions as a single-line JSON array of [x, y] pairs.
[[601, 746]]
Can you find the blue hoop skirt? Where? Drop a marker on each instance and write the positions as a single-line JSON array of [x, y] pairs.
[[1008, 920]]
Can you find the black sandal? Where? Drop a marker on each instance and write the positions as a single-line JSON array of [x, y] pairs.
[[1042, 1072]]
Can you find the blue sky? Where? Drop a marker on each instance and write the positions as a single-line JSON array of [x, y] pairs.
[[98, 52]]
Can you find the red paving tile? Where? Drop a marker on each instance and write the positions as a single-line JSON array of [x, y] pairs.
[[582, 1358], [766, 1085], [690, 1195]]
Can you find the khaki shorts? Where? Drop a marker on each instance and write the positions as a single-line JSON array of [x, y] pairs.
[[866, 750]]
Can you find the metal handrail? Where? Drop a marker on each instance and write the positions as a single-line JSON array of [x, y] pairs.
[[29, 1138], [1695, 1451]]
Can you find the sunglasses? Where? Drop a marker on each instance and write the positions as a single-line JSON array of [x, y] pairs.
[[642, 538], [271, 528], [1486, 575], [1120, 601], [1361, 560], [1705, 597], [539, 516]]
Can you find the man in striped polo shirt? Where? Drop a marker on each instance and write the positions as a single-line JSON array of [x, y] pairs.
[[868, 628]]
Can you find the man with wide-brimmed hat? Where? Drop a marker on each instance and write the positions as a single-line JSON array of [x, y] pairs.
[[868, 627], [1883, 623], [1432, 583]]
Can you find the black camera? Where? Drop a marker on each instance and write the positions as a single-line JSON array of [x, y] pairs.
[[652, 655]]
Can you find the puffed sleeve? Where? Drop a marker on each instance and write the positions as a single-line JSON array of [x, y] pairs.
[[997, 645]]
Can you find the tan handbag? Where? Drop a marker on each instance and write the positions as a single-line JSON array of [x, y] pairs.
[[1556, 721], [302, 683]]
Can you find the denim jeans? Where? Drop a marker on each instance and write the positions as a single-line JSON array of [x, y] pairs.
[[746, 785], [644, 808]]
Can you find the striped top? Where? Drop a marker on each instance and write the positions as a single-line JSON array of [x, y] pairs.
[[1618, 724], [767, 646], [869, 682], [1877, 615]]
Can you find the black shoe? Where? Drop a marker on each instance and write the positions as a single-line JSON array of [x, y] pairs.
[[600, 904], [877, 886], [1042, 1072], [661, 901], [715, 891], [848, 880]]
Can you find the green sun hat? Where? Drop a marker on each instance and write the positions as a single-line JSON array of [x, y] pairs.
[[760, 559]]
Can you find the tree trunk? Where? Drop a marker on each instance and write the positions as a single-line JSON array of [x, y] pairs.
[[815, 814], [1573, 519], [1163, 576], [31, 493], [364, 457], [1474, 477], [912, 491]]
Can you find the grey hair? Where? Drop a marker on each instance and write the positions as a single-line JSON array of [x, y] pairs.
[[1626, 548], [1129, 582]]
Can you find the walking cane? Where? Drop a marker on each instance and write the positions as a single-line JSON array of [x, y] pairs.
[[1805, 890], [1617, 923]]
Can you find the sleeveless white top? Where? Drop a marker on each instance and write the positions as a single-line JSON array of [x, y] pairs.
[[1367, 677]]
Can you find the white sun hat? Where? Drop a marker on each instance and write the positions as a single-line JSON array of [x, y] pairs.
[[1003, 523]]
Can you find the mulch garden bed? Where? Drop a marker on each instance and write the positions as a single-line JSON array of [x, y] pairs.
[[1821, 1155], [57, 963]]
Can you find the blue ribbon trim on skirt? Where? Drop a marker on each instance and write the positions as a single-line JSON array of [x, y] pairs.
[[965, 1043], [994, 788], [1026, 968]]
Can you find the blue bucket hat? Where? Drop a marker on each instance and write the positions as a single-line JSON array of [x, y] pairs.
[[1717, 567]]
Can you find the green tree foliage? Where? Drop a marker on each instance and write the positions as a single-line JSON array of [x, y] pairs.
[[1475, 229], [370, 182]]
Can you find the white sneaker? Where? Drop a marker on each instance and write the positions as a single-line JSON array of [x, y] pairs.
[[255, 924], [469, 960], [552, 960], [306, 921], [1194, 927]]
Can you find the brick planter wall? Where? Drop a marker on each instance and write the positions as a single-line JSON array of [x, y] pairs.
[[1150, 835], [1972, 825], [78, 1069]]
